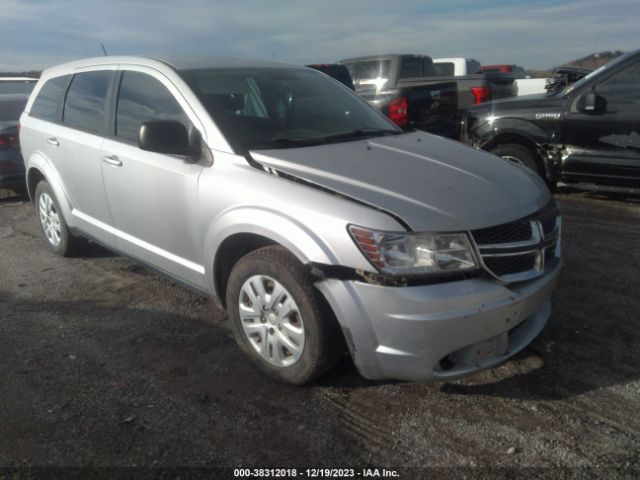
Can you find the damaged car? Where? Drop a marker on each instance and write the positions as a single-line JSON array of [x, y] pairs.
[[586, 135], [316, 222]]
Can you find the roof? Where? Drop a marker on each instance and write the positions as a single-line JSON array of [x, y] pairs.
[[18, 79], [194, 62], [382, 57], [177, 62]]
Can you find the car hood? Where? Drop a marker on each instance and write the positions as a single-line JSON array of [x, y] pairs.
[[431, 183]]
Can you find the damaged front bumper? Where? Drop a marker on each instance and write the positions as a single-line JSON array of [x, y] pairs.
[[438, 332]]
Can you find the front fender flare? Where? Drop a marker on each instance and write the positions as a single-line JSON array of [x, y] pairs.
[[305, 244]]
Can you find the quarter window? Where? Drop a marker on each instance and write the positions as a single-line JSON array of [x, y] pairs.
[[143, 98], [86, 101], [46, 104]]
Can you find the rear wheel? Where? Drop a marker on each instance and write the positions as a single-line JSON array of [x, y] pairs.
[[278, 319], [56, 232], [514, 152]]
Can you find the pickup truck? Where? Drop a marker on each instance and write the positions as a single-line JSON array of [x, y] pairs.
[[474, 84], [397, 86], [586, 135], [525, 85], [408, 89], [457, 67]]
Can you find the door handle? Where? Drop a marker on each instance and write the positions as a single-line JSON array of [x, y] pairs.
[[112, 160], [53, 141]]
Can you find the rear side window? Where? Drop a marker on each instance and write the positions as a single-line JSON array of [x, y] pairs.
[[473, 66], [411, 67], [10, 110], [416, 66], [371, 69], [86, 101], [46, 104], [143, 98], [443, 68]]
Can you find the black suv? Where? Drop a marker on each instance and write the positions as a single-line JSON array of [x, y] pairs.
[[587, 135]]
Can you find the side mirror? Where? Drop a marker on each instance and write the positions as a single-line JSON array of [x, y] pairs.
[[591, 102], [170, 137]]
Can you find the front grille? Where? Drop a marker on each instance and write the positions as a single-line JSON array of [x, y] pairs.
[[519, 250], [511, 264], [549, 254], [519, 231]]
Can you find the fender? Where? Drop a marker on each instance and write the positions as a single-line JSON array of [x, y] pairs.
[[37, 161], [306, 245], [484, 134]]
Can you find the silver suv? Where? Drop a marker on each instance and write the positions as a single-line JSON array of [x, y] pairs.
[[303, 211]]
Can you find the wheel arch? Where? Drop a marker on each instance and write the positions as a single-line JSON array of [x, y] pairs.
[[537, 149], [242, 230]]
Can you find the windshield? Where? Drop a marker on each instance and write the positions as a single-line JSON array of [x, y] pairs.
[[10, 110], [283, 108]]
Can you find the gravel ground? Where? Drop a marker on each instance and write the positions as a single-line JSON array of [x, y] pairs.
[[108, 364]]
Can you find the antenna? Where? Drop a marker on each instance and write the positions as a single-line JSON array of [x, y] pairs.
[[104, 50]]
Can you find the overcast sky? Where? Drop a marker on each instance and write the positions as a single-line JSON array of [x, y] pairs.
[[36, 34]]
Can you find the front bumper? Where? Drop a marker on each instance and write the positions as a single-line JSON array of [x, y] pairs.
[[438, 332]]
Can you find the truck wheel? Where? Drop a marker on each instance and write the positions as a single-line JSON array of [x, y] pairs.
[[56, 232], [517, 153], [277, 318]]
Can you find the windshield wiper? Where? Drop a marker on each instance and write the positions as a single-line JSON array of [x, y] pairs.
[[362, 132], [288, 142]]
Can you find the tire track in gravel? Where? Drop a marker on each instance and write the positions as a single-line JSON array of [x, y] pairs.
[[373, 438]]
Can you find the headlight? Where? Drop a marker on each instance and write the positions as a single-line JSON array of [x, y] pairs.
[[404, 253]]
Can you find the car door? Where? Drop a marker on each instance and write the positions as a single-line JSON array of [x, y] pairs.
[[74, 146], [604, 146], [153, 197]]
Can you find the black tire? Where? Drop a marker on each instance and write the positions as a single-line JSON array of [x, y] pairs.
[[519, 154], [323, 340], [69, 244]]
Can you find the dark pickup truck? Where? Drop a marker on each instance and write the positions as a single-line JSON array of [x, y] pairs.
[[586, 135], [408, 90]]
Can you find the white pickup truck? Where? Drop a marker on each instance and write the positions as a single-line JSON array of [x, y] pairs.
[[456, 66], [467, 66]]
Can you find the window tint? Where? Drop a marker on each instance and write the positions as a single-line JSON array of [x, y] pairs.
[[444, 68], [622, 90], [473, 67], [281, 107], [143, 98], [17, 86], [519, 72], [411, 67], [86, 99], [373, 69], [10, 110], [45, 106]]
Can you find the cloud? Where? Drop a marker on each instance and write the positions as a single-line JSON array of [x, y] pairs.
[[538, 33]]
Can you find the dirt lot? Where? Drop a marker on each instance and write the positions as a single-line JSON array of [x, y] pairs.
[[105, 363]]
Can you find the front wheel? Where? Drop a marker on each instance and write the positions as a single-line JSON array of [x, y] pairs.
[[278, 319], [517, 153]]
